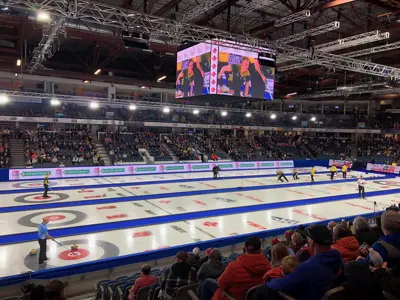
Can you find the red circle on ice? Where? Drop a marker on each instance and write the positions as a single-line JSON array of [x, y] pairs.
[[55, 217], [34, 184], [41, 198], [74, 254]]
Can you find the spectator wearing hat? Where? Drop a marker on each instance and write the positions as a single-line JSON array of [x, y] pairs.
[[194, 259], [247, 271], [178, 275], [205, 258], [37, 293], [268, 250], [26, 291], [213, 268], [312, 278], [144, 280], [55, 290], [345, 243], [388, 246]]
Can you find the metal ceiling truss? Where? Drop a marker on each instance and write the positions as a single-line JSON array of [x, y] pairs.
[[200, 9], [310, 32], [373, 50], [340, 93], [102, 14], [254, 5], [119, 102], [301, 15], [352, 41], [45, 48]]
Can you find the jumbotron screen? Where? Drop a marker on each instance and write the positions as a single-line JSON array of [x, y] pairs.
[[193, 71], [241, 74], [213, 68]]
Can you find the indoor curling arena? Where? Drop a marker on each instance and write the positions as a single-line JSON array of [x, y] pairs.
[[98, 220]]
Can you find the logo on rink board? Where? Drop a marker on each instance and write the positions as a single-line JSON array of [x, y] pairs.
[[113, 170], [146, 169], [76, 172], [284, 221], [35, 173], [201, 167]]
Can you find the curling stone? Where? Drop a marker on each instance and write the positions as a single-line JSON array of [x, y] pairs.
[[32, 252], [74, 247]]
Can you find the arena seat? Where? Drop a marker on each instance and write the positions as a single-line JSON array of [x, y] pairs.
[[338, 293], [251, 293], [143, 293], [389, 296], [286, 297], [183, 292], [153, 295]]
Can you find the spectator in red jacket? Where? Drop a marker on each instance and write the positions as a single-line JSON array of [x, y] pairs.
[[247, 271], [144, 280], [345, 243]]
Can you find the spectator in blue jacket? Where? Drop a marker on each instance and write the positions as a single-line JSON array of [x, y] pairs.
[[388, 246], [314, 277]]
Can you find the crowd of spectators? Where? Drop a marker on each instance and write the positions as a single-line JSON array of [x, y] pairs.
[[382, 147], [305, 265], [327, 146], [5, 154], [359, 259], [124, 147], [59, 148]]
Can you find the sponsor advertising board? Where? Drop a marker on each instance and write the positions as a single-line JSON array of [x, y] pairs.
[[339, 163], [26, 174], [383, 168]]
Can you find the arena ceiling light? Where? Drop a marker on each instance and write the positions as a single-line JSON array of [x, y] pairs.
[[43, 16], [161, 78], [98, 71], [313, 119], [166, 110], [94, 105], [248, 115], [273, 116], [3, 99], [294, 118], [196, 111], [224, 113], [132, 107], [55, 102]]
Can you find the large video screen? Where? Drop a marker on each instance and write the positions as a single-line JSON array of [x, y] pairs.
[[241, 74], [193, 71]]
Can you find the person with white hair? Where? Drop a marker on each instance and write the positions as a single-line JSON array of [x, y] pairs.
[[194, 258], [363, 233]]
